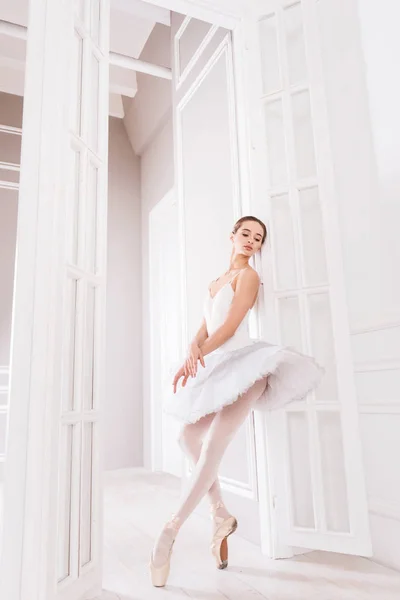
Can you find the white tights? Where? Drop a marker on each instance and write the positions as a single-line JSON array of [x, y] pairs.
[[221, 427]]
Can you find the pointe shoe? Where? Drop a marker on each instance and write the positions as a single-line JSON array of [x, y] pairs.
[[223, 528], [159, 575]]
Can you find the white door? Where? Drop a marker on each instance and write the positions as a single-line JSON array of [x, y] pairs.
[[78, 544], [166, 329], [52, 537], [317, 490], [210, 201]]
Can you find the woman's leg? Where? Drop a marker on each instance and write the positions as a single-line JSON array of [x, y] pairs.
[[224, 425], [222, 430], [191, 441]]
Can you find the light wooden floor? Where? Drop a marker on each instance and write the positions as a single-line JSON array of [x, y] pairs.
[[138, 502]]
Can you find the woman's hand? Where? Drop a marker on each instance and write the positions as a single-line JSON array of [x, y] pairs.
[[189, 368], [178, 375], [194, 355]]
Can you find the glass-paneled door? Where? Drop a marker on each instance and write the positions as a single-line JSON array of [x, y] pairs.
[[316, 475]]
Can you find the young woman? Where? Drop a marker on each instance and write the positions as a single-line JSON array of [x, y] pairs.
[[225, 375]]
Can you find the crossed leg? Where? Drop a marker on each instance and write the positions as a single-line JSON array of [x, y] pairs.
[[222, 429], [191, 441]]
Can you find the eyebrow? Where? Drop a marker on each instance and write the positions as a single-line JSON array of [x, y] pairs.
[[244, 229]]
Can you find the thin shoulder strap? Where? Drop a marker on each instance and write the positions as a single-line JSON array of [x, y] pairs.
[[234, 277]]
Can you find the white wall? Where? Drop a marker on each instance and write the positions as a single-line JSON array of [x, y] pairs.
[[149, 111], [360, 47], [123, 407], [377, 349], [381, 51], [157, 179], [353, 156]]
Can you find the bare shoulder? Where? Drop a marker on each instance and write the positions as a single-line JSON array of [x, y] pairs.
[[248, 278]]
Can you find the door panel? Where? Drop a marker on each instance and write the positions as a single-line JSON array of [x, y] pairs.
[[317, 483], [52, 535], [79, 499], [207, 176]]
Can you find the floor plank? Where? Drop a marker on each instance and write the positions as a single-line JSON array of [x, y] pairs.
[[137, 503]]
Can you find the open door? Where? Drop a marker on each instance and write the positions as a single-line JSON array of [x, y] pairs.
[[78, 545], [210, 196], [52, 535], [316, 481]]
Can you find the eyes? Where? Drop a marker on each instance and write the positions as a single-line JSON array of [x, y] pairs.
[[257, 239]]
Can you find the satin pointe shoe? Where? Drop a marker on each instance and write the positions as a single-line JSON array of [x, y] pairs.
[[223, 528], [159, 574]]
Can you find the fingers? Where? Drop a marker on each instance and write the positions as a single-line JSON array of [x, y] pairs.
[[189, 369], [177, 377], [175, 382], [193, 363], [201, 359]]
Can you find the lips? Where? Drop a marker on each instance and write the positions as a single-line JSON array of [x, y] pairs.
[[247, 247]]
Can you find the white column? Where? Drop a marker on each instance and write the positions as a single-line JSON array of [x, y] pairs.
[[35, 352]]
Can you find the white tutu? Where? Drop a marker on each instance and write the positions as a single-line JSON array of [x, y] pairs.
[[227, 375], [236, 365]]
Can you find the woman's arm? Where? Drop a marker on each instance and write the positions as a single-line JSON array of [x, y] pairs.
[[194, 353], [201, 335], [245, 295]]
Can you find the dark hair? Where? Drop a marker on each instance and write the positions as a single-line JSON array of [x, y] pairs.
[[243, 219]]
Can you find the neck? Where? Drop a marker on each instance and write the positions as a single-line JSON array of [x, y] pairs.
[[238, 262]]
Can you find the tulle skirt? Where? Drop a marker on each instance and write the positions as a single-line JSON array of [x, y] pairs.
[[229, 374]]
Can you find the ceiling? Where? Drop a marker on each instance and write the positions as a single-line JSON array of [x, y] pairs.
[[131, 22]]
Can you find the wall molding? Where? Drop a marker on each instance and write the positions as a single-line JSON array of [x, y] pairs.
[[9, 185], [6, 166], [377, 365], [384, 508], [386, 408], [10, 130], [375, 327]]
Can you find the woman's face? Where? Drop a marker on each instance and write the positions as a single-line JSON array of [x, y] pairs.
[[248, 238]]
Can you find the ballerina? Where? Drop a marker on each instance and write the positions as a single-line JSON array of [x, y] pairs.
[[217, 393]]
